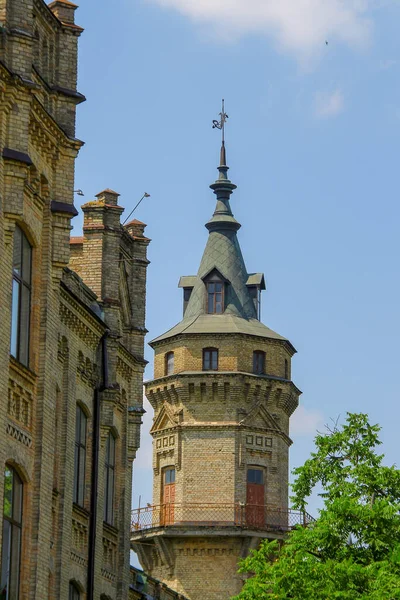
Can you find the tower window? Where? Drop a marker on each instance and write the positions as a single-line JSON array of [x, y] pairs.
[[109, 480], [21, 297], [215, 297], [80, 456], [286, 368], [12, 525], [210, 359], [169, 363], [259, 362]]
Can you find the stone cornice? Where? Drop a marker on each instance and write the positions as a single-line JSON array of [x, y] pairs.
[[47, 124], [79, 318], [219, 375]]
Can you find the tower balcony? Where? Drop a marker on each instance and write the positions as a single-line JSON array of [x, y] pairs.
[[176, 518]]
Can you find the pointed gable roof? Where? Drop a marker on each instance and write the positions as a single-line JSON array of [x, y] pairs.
[[164, 420]]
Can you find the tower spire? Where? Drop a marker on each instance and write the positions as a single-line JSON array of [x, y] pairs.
[[221, 125], [222, 187]]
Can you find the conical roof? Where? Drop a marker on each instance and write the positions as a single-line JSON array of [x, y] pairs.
[[222, 257]]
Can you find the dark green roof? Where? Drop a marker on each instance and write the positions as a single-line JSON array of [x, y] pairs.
[[223, 254]]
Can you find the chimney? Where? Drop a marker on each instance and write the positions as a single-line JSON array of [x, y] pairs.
[[64, 11]]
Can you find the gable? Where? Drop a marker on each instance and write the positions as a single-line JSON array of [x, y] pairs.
[[259, 417], [165, 419]]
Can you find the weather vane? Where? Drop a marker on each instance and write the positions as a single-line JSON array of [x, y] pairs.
[[221, 124]]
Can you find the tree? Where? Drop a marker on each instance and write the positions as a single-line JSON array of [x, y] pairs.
[[352, 551]]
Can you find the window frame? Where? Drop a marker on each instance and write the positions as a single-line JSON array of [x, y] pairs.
[[259, 355], [74, 592], [210, 357], [212, 295], [169, 369], [80, 457], [109, 479], [254, 470], [12, 572], [22, 293]]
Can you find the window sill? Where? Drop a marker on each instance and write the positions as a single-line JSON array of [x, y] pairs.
[[80, 510], [110, 528], [22, 369]]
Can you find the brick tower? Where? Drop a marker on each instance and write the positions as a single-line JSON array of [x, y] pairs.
[[222, 396]]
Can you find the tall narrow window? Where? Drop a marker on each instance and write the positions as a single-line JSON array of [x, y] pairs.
[[109, 479], [169, 363], [74, 593], [21, 297], [12, 524], [215, 297], [210, 359], [80, 456], [259, 362]]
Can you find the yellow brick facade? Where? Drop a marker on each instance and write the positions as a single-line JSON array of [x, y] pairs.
[[85, 335]]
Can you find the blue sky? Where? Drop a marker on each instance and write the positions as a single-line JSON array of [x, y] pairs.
[[313, 145]]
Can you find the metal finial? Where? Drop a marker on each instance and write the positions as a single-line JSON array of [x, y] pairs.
[[221, 124]]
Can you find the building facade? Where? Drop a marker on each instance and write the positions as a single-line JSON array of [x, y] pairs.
[[72, 326], [223, 397]]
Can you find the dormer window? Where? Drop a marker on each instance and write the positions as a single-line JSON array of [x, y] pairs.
[[215, 297]]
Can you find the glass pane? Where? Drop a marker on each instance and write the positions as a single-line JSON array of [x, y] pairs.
[[15, 556], [83, 428], [77, 424], [5, 558], [81, 479], [110, 496], [210, 308], [218, 308], [112, 450], [206, 360], [17, 262], [26, 260], [170, 363], [17, 498], [214, 365], [15, 318], [218, 287], [24, 325], [211, 288], [76, 467], [105, 492], [8, 492]]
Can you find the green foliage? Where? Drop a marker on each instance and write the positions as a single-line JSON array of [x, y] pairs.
[[352, 551]]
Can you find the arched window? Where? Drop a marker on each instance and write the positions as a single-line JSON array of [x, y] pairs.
[[259, 362], [21, 297], [169, 363], [74, 593], [210, 359], [80, 456], [109, 480], [215, 297], [12, 525]]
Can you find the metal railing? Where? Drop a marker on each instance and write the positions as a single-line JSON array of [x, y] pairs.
[[248, 516]]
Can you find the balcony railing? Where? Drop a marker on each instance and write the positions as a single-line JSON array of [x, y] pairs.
[[247, 516]]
